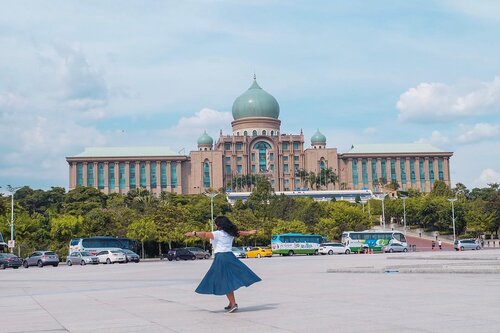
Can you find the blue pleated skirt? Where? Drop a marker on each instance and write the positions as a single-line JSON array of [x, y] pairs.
[[226, 274]]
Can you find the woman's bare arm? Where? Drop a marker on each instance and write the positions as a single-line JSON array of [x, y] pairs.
[[247, 232], [201, 234]]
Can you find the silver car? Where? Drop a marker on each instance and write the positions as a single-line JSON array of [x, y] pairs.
[[81, 258], [199, 252], [466, 244], [395, 247], [41, 258], [239, 252]]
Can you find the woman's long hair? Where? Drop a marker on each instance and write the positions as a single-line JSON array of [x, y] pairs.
[[225, 224]]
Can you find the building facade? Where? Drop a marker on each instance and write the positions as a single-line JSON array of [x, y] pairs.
[[256, 146]]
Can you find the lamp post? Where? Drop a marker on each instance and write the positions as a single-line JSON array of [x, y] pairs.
[[452, 200], [211, 195], [12, 190], [383, 210], [404, 213]]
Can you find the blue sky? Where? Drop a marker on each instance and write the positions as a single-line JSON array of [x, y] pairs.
[[159, 73]]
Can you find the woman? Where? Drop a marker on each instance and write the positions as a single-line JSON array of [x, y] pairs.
[[227, 272]]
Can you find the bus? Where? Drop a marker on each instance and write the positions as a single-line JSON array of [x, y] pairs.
[[291, 244], [100, 243], [371, 239], [3, 245]]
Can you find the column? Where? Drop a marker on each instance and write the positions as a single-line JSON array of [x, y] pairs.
[[72, 175], [148, 175], [169, 179], [388, 170], [398, 171], [349, 174], [436, 169], [96, 172], [127, 176], [417, 173], [106, 177], [158, 177], [360, 173], [408, 173], [379, 168], [369, 173], [426, 174], [137, 174], [446, 171], [117, 178], [179, 177], [85, 170]]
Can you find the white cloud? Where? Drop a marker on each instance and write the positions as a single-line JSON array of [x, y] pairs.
[[487, 176], [436, 139], [479, 132], [439, 102], [370, 131], [186, 132]]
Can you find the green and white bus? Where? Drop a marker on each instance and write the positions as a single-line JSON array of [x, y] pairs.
[[291, 244], [371, 239]]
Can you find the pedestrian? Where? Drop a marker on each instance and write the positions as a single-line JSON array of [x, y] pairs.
[[433, 244], [227, 273], [440, 244]]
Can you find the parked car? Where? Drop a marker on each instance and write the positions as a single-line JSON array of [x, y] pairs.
[[258, 252], [41, 258], [178, 254], [466, 244], [199, 252], [81, 258], [111, 256], [333, 248], [395, 247], [130, 255], [10, 260], [239, 252]]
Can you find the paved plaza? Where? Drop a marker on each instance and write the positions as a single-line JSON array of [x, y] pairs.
[[414, 292]]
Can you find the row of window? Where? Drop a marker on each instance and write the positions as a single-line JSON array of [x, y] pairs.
[[111, 181], [263, 132], [239, 146], [365, 165]]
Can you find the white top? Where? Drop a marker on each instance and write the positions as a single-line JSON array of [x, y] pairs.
[[222, 242]]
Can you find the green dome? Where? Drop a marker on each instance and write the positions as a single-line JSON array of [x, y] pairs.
[[205, 139], [255, 102], [318, 138]]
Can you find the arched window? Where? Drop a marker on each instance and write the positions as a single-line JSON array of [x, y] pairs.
[[272, 133], [262, 147], [254, 133], [245, 133], [206, 174], [264, 132], [237, 133]]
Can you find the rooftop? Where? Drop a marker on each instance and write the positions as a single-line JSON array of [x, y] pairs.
[[393, 148], [126, 151]]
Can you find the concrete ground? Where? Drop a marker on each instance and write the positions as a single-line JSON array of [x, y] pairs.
[[413, 292]]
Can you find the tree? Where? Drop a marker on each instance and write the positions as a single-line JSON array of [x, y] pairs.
[[143, 229], [62, 229], [440, 189], [284, 227], [82, 200]]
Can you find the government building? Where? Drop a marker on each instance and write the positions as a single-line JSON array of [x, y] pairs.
[[257, 147]]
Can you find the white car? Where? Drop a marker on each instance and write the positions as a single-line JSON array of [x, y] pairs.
[[111, 256], [333, 248]]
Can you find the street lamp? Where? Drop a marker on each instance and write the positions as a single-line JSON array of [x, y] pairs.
[[383, 210], [404, 213], [12, 190], [452, 200], [211, 195]]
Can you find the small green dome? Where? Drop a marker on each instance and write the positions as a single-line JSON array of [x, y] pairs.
[[255, 102], [205, 139], [318, 138]]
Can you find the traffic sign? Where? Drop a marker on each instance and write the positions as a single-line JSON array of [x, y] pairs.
[[11, 244]]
